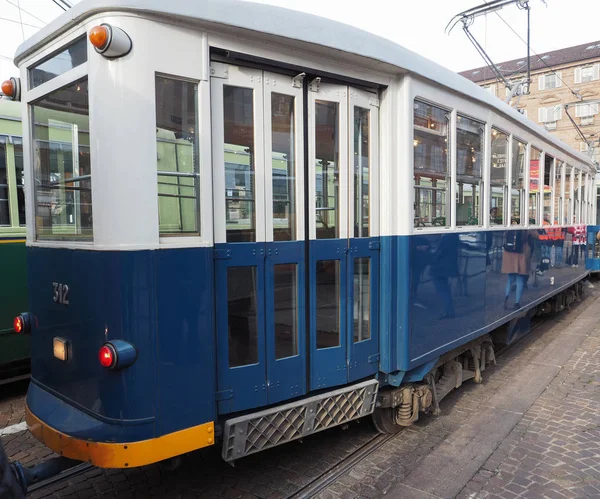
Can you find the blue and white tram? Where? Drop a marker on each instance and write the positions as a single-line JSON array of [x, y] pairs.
[[275, 224]]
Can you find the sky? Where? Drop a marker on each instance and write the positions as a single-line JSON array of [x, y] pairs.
[[417, 25]]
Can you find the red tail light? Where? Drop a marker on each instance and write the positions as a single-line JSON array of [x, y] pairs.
[[107, 357], [18, 324], [22, 323]]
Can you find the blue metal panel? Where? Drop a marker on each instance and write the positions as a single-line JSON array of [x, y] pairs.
[[363, 359], [286, 376], [458, 285], [111, 296], [77, 422], [185, 340], [328, 365], [248, 382]]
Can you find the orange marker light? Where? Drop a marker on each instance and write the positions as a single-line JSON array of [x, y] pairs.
[[8, 88], [99, 36]]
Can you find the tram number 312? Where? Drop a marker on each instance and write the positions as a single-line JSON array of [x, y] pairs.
[[61, 293]]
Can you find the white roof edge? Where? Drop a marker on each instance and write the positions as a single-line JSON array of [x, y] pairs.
[[295, 25]]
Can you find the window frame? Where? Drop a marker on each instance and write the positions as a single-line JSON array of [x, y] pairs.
[[506, 187], [450, 174], [31, 104], [182, 238], [483, 218], [524, 192]]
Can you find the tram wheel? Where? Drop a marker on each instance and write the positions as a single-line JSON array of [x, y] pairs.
[[385, 421]]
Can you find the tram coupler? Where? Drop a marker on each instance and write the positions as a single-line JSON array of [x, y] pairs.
[[28, 476]]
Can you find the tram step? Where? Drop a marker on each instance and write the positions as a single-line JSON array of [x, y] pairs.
[[263, 430]]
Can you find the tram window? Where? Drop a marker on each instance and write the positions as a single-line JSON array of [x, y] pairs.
[[286, 310], [177, 160], [361, 326], [4, 204], [63, 177], [498, 177], [20, 180], [328, 315], [240, 169], [431, 165], [327, 169], [361, 172], [72, 56], [517, 195], [469, 170], [576, 198], [283, 159], [568, 207], [548, 190], [534, 185], [558, 195], [242, 309]]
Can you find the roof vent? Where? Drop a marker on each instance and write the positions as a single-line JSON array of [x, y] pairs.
[[475, 72], [520, 63], [544, 57]]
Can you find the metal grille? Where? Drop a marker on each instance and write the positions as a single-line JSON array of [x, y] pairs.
[[337, 410], [265, 429], [269, 431]]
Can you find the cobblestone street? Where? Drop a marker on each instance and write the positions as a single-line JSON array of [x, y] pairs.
[[544, 391]]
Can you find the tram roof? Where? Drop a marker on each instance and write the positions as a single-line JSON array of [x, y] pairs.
[[293, 25]]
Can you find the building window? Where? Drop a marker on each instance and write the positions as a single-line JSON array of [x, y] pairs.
[[549, 81], [469, 171], [431, 165], [490, 88], [177, 157], [587, 74], [62, 166], [586, 112], [498, 177], [549, 116]]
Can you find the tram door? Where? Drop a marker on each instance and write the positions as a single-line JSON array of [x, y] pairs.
[[271, 344], [258, 178], [344, 229]]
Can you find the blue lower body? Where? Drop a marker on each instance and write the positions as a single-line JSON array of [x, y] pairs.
[[448, 289], [389, 305]]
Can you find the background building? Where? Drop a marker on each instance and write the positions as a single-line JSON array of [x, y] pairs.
[[564, 76], [569, 76]]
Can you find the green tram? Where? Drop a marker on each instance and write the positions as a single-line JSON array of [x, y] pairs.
[[14, 349]]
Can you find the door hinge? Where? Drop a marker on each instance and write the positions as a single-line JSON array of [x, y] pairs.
[[224, 395], [219, 71], [298, 80], [373, 358], [374, 245], [221, 254], [314, 85]]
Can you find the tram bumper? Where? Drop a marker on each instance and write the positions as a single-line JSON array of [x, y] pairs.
[[76, 435]]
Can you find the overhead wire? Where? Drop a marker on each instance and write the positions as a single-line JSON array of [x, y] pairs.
[[552, 71], [21, 18], [28, 13], [539, 57], [19, 22]]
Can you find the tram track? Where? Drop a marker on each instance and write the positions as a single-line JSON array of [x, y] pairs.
[[61, 477], [348, 463]]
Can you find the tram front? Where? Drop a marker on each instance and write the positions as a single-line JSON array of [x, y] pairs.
[[120, 332]]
